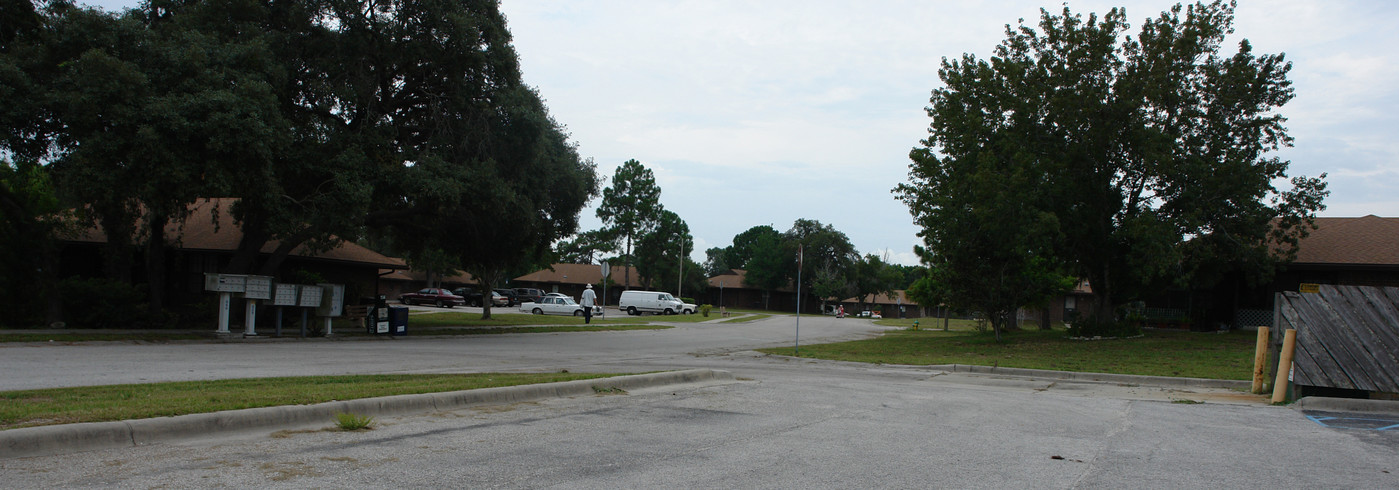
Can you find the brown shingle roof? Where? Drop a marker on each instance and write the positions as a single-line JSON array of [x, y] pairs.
[[581, 274], [899, 298], [1368, 240], [205, 232]]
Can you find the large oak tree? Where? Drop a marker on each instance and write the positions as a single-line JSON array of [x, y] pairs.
[[1121, 159]]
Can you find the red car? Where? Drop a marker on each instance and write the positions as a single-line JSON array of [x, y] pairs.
[[435, 296]]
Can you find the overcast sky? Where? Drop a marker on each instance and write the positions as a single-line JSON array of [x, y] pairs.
[[763, 112]]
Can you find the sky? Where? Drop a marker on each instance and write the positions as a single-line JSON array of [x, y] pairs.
[[764, 112]]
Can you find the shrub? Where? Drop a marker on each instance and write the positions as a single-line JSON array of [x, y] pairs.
[[104, 303], [1089, 328], [704, 309]]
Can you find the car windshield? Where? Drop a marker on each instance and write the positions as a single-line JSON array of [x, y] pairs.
[[668, 297], [566, 300]]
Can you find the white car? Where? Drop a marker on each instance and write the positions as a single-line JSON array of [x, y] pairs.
[[557, 305], [688, 308]]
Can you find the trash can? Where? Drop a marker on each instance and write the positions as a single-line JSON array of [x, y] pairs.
[[398, 320]]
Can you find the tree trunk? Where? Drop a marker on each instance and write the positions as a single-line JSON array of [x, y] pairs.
[[116, 252], [249, 246], [155, 264]]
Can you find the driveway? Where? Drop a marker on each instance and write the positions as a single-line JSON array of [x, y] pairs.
[[785, 423]]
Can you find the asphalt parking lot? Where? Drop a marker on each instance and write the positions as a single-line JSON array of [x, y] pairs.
[[780, 423]]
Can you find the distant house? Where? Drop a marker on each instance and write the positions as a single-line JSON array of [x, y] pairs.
[[897, 305], [570, 279], [1360, 251], [206, 241], [728, 289], [392, 282]]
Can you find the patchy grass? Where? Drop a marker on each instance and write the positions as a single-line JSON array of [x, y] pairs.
[[136, 401], [352, 422], [1158, 353], [753, 317]]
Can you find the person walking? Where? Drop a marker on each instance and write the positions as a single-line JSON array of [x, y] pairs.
[[588, 299]]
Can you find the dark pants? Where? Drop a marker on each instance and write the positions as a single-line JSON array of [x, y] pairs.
[[587, 314]]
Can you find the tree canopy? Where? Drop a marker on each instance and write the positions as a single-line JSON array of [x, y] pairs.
[[407, 121], [1125, 160], [631, 208]]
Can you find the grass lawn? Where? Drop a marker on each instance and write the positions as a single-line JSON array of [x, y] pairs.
[[134, 401], [1158, 353]]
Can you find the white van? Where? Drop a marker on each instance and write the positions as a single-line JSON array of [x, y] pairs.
[[638, 302]]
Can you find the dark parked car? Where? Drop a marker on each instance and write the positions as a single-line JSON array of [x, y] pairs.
[[432, 296], [526, 295]]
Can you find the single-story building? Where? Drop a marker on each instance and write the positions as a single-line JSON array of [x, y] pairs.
[[570, 279], [206, 242]]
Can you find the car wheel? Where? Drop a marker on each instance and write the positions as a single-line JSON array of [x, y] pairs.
[[669, 311], [538, 311], [439, 303], [631, 310], [577, 312]]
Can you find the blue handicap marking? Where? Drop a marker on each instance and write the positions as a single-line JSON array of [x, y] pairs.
[[1359, 423]]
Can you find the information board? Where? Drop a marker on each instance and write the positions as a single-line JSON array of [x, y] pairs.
[[258, 287]]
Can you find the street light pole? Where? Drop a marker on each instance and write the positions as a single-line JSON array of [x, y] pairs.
[[680, 283]]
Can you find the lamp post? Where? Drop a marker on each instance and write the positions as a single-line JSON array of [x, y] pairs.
[[680, 283]]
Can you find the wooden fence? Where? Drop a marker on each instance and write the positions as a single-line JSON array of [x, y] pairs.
[[1347, 337]]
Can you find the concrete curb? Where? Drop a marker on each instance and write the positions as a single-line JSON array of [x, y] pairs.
[[1098, 377], [1328, 404], [60, 439]]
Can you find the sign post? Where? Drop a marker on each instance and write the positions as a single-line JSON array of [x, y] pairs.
[[606, 271]]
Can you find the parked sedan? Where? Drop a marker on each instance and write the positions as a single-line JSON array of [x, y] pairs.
[[557, 305], [510, 295], [434, 296]]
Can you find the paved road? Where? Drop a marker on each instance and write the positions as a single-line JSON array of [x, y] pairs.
[[785, 423]]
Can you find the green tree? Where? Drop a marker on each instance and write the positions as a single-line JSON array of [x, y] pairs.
[[658, 252], [772, 265], [586, 247], [630, 208], [747, 244], [715, 262], [872, 276], [822, 247], [1121, 160]]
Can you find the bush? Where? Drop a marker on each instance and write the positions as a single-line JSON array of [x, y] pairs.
[[704, 309], [1121, 329], [104, 303]]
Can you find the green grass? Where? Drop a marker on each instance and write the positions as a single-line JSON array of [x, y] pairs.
[[135, 401], [1159, 353]]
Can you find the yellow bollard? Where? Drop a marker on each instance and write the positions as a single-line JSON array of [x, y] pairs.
[[1260, 359], [1289, 343]]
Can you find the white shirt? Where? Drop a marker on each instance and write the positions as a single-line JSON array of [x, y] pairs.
[[588, 298]]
